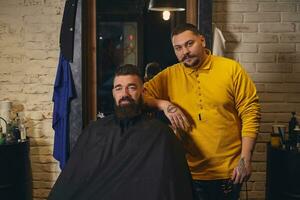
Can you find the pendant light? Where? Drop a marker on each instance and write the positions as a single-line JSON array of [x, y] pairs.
[[166, 5]]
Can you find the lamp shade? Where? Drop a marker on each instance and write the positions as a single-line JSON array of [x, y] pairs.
[[170, 5]]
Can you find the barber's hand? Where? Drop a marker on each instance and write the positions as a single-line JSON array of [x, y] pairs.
[[242, 172], [176, 117]]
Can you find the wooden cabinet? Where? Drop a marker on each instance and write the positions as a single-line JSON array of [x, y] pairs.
[[283, 174], [15, 172]]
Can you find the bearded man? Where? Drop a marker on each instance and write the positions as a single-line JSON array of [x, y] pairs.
[[126, 155]]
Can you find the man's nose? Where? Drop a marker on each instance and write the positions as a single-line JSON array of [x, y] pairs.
[[125, 92], [185, 50]]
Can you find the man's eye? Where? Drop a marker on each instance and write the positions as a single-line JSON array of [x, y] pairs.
[[132, 87], [118, 88], [177, 48], [190, 43]]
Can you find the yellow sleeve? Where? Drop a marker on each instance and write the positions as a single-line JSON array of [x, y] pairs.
[[246, 102], [157, 87]]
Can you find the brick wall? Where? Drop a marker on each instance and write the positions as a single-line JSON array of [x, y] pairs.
[[29, 48], [264, 35]]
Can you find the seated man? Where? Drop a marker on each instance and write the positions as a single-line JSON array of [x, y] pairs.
[[125, 156]]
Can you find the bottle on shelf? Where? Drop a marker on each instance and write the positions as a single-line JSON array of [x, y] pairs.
[[21, 128], [293, 123]]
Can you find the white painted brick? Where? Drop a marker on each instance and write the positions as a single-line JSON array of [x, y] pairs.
[[257, 156], [266, 128], [296, 67], [41, 142], [270, 48], [232, 37], [292, 78], [4, 77], [257, 58], [293, 98], [298, 47], [271, 97], [290, 37], [53, 10], [45, 167], [38, 176], [290, 17], [225, 17], [259, 166], [277, 27], [243, 48], [42, 150], [54, 2], [263, 137], [275, 117], [42, 19], [54, 54], [277, 107], [36, 55], [36, 89], [12, 87], [32, 3], [40, 193], [42, 28], [249, 67], [42, 159], [289, 1], [241, 7], [240, 28], [31, 106], [274, 67], [262, 17], [268, 77], [42, 184], [277, 7], [289, 58], [291, 87], [286, 88], [260, 87]]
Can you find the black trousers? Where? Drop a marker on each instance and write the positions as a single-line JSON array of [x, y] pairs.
[[216, 190]]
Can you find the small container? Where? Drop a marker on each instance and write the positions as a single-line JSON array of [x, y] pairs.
[[275, 140]]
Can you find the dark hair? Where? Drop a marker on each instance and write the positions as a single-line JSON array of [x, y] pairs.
[[152, 69], [185, 27], [128, 69]]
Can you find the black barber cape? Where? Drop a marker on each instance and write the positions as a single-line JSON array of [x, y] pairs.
[[140, 159]]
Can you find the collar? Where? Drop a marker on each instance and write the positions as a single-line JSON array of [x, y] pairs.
[[206, 65]]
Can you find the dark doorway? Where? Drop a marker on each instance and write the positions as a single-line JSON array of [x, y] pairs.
[[127, 33]]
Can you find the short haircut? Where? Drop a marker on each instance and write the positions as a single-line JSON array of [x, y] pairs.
[[152, 69], [185, 27], [128, 69]]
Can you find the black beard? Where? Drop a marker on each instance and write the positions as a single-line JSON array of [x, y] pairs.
[[130, 110]]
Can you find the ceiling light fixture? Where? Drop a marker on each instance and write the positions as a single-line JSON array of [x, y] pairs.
[[166, 5]]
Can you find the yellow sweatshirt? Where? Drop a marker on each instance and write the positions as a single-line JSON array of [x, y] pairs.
[[221, 102]]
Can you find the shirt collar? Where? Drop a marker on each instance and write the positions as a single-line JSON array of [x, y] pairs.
[[206, 65]]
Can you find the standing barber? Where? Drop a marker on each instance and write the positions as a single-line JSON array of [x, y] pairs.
[[214, 106]]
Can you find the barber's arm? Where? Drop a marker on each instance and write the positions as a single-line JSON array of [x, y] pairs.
[[243, 170], [156, 96], [172, 112], [249, 111]]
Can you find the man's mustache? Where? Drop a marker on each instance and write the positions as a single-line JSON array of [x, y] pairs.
[[186, 57], [126, 98]]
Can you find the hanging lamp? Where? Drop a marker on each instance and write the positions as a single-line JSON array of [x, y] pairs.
[[166, 5]]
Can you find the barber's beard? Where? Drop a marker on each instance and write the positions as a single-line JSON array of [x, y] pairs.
[[130, 110]]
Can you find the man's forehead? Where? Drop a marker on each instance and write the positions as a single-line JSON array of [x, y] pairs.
[[183, 37], [127, 79]]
